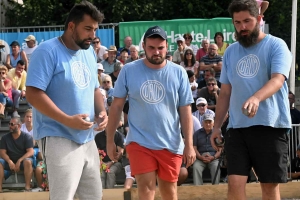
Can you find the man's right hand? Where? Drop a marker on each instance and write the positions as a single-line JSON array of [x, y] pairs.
[[216, 133], [78, 122], [180, 48]]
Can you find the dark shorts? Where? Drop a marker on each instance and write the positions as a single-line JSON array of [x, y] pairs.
[[261, 147]]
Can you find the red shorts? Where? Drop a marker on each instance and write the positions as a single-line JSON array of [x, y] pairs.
[[143, 160]]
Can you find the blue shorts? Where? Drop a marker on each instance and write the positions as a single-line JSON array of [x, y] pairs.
[[7, 171]]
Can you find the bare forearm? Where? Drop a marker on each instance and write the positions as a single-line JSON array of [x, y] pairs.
[[40, 100], [5, 157], [28, 154]]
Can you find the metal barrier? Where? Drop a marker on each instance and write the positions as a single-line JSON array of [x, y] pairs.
[[294, 141], [48, 28]]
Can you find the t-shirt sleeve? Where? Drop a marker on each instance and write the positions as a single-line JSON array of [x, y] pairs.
[[28, 141], [3, 143], [121, 89], [281, 58], [41, 69]]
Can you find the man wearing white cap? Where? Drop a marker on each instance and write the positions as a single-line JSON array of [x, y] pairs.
[[178, 54], [201, 105], [31, 46], [3, 54], [100, 72]]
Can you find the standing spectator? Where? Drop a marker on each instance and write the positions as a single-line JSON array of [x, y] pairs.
[[178, 55], [114, 76], [127, 44], [254, 89], [5, 91], [189, 62], [206, 155], [16, 150], [18, 77], [212, 60], [219, 40], [134, 54], [295, 165], [155, 86], [110, 61], [201, 104], [210, 93], [101, 51], [63, 101], [31, 46], [188, 41], [210, 73], [16, 55], [204, 50], [3, 54], [194, 86]]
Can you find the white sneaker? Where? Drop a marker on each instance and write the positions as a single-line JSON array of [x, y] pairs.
[[38, 189], [15, 114]]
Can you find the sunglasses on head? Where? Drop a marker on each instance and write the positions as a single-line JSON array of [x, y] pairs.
[[201, 105], [211, 84]]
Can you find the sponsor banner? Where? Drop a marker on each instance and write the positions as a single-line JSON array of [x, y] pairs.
[[107, 37], [199, 29]]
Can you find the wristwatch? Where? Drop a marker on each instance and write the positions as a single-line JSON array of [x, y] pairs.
[[215, 158], [113, 161]]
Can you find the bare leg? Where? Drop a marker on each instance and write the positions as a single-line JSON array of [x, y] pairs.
[[39, 176], [168, 190], [128, 183], [183, 174], [1, 176], [146, 185], [27, 172], [270, 191], [237, 187]]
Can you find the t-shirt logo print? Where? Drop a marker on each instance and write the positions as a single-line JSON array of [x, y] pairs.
[[81, 74], [152, 92], [248, 66]]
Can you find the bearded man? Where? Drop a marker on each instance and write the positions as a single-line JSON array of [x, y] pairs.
[[255, 91]]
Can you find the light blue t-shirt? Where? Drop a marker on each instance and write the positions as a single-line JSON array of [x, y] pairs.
[[155, 96], [247, 70], [69, 81]]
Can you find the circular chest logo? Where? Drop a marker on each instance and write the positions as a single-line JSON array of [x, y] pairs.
[[248, 66], [152, 92], [81, 74]]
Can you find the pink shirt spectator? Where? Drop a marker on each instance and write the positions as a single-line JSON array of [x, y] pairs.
[[200, 54]]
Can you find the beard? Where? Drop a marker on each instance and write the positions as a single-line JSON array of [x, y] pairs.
[[81, 43], [250, 39], [155, 60]]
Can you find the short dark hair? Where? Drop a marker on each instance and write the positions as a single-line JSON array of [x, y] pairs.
[[21, 62], [212, 79], [243, 5], [220, 34], [97, 38], [83, 8], [290, 92], [211, 70]]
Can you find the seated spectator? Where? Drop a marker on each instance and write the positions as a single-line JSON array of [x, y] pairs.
[[295, 165], [196, 124], [18, 77], [169, 57], [101, 51], [3, 54], [5, 91], [107, 85], [219, 40], [207, 74], [204, 50], [110, 61], [127, 44], [210, 93], [206, 155], [194, 86], [134, 54], [108, 175], [124, 55], [114, 75], [212, 60], [189, 62], [201, 105], [178, 55], [16, 55], [31, 46], [100, 73], [142, 54], [188, 41], [16, 151]]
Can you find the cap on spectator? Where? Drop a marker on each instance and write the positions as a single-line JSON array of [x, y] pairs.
[[142, 53], [208, 116], [112, 48], [100, 67], [1, 44], [190, 73], [155, 30], [118, 66], [298, 147], [14, 43], [110, 99], [180, 38], [29, 38], [168, 55], [201, 100]]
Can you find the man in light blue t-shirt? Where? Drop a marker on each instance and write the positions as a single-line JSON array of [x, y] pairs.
[[254, 89], [159, 97], [63, 88]]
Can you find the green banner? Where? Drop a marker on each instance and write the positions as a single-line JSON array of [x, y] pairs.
[[198, 28]]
